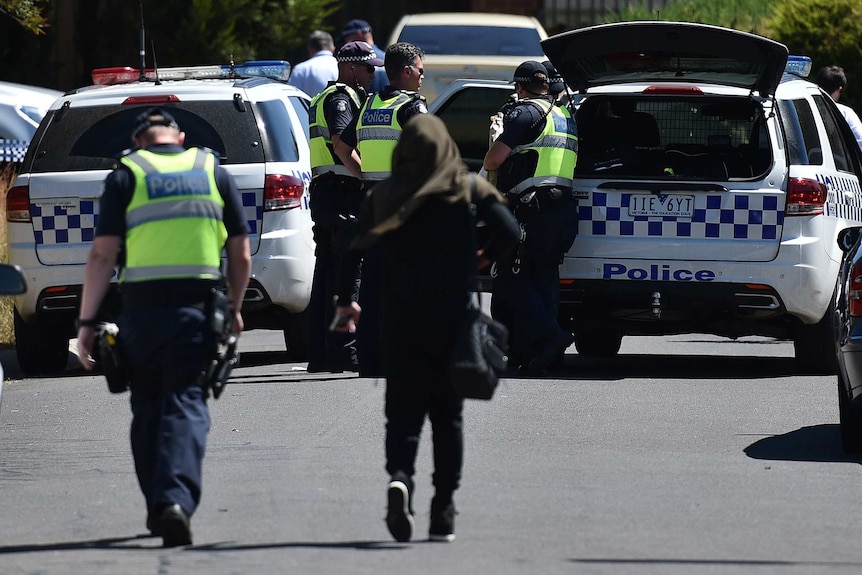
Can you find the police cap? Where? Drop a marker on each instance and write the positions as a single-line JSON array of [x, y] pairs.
[[554, 79], [531, 72], [360, 52], [154, 117]]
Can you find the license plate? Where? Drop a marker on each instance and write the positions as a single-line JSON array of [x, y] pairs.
[[677, 205]]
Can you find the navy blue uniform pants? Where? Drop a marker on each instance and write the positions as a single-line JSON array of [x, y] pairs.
[[166, 350], [529, 294]]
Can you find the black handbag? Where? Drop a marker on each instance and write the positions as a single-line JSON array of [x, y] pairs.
[[479, 357], [480, 354]]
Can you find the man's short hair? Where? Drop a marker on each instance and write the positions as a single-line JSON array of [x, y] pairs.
[[831, 78], [320, 40], [399, 55]]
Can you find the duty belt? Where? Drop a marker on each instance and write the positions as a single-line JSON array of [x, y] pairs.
[[141, 299]]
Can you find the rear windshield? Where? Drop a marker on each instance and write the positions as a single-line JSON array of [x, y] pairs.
[[702, 138], [474, 40], [92, 137]]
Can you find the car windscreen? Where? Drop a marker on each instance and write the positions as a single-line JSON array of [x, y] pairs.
[[93, 137], [474, 40]]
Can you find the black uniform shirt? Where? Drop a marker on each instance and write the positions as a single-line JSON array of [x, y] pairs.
[[338, 110], [522, 124], [405, 112]]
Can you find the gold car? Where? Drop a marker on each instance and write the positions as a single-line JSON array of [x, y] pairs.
[[470, 45]]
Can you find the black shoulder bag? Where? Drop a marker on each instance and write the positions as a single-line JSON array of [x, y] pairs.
[[479, 356]]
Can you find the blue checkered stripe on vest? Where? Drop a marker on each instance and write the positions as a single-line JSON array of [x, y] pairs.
[[753, 216], [66, 225]]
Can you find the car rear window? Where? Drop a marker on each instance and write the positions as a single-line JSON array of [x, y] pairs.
[[708, 138], [800, 132], [92, 137], [474, 40]]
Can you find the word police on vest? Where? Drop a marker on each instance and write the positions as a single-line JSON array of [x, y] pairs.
[[377, 117], [191, 183], [154, 117]]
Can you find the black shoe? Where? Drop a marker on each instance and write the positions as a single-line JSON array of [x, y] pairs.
[[557, 345], [442, 527], [175, 527], [153, 526], [399, 516]]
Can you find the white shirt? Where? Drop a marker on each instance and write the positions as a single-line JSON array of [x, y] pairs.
[[853, 121], [312, 75]]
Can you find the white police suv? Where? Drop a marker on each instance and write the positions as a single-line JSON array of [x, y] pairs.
[[712, 186], [245, 113]]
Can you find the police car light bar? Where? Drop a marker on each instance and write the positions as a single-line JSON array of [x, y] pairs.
[[275, 69], [798, 66]]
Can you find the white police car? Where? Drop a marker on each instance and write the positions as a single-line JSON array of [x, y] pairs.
[[712, 189], [246, 113]]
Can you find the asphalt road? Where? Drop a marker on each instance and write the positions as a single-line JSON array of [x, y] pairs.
[[689, 454]]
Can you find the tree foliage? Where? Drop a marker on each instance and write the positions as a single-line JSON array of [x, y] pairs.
[[746, 15], [828, 31], [27, 13]]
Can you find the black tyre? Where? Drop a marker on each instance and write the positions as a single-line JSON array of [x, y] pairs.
[[598, 343], [40, 350], [296, 336], [814, 345], [850, 416]]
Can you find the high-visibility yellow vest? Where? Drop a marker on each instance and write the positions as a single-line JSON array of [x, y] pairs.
[[377, 132], [323, 159], [557, 149], [174, 223]]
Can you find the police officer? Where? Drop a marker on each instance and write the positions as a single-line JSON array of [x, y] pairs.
[[336, 192], [374, 133], [535, 157], [171, 211]]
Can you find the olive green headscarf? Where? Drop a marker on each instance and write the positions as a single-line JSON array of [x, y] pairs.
[[426, 163]]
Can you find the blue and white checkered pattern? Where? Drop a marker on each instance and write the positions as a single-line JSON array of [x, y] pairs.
[[13, 150], [753, 216], [74, 222], [844, 197]]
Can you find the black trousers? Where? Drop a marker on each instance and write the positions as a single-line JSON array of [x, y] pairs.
[[411, 395]]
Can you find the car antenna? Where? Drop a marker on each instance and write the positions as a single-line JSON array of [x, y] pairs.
[[155, 65], [143, 50]]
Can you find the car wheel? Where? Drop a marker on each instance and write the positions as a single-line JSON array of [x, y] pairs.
[[40, 350], [598, 343], [296, 336], [850, 416], [814, 346]]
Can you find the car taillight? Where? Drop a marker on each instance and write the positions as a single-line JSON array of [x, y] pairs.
[[18, 204], [282, 192], [854, 293], [805, 197]]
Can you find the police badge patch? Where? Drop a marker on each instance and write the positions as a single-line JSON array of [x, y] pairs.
[[341, 106]]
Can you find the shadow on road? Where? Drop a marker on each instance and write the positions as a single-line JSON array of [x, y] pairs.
[[674, 366], [821, 443], [129, 543]]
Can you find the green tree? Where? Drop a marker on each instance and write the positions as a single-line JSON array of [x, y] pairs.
[[828, 31], [745, 15], [27, 13]]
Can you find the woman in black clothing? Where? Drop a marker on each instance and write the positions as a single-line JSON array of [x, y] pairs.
[[421, 219]]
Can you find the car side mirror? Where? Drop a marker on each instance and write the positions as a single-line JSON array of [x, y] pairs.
[[848, 237], [11, 280]]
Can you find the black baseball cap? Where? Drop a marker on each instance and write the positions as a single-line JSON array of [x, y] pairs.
[[154, 117], [531, 72], [555, 81], [353, 27]]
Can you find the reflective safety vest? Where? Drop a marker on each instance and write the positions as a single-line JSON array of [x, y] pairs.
[[557, 149], [174, 223], [323, 159], [377, 132]]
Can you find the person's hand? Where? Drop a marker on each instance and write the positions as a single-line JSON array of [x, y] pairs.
[[86, 339], [237, 325], [346, 318], [481, 261]]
